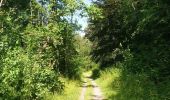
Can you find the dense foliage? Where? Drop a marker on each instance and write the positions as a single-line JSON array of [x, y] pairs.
[[37, 46], [105, 31], [135, 32]]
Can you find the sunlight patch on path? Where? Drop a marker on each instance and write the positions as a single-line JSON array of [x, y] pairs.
[[84, 87], [95, 91], [97, 94]]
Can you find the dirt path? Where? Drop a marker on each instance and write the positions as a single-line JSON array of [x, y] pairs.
[[97, 94], [84, 88]]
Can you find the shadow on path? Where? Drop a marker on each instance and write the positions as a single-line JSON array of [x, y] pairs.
[[97, 94]]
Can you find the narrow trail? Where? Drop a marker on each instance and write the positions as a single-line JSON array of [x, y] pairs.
[[83, 92], [96, 93]]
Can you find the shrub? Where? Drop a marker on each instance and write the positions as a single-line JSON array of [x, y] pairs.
[[95, 73], [23, 78]]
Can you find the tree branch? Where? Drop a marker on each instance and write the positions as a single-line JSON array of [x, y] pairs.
[[1, 3], [133, 6]]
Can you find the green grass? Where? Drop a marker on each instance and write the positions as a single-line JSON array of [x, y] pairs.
[[73, 89], [71, 92], [89, 91], [87, 74], [119, 85], [105, 82]]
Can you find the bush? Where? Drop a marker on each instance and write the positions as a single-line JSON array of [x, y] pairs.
[[22, 78], [95, 73]]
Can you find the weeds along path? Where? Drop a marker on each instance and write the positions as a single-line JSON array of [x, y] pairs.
[[95, 94]]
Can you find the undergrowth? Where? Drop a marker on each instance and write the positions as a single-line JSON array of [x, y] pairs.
[[71, 91], [118, 84]]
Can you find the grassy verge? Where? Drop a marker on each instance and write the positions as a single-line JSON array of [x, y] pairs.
[[71, 92], [105, 82], [119, 85]]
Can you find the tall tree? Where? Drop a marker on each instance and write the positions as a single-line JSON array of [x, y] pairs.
[[105, 31]]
